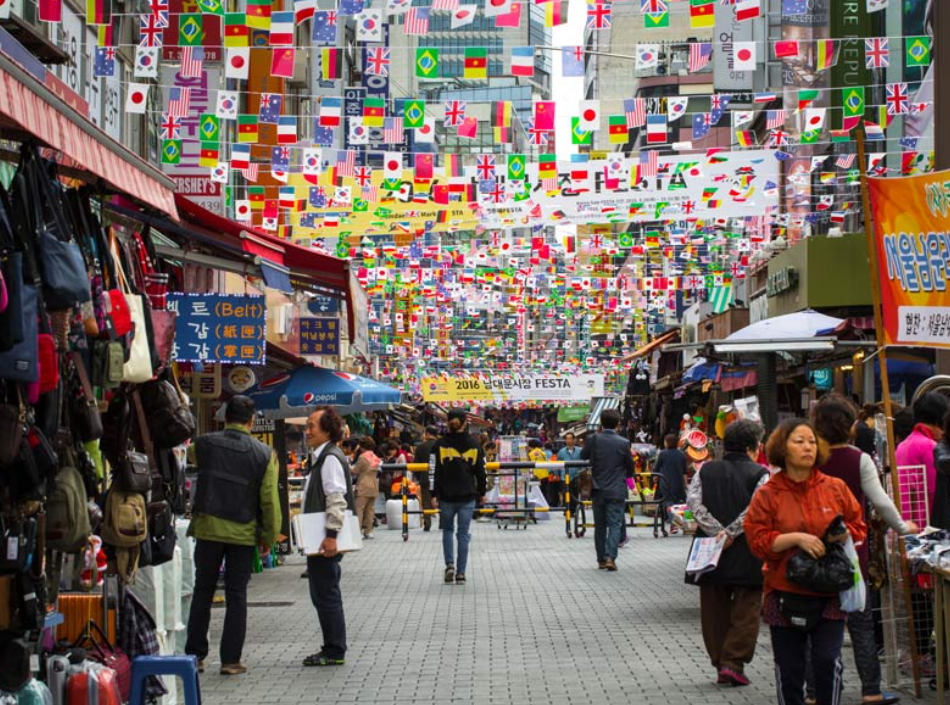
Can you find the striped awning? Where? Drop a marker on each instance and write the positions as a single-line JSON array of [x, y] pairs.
[[599, 406]]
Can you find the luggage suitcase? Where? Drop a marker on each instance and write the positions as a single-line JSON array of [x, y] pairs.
[[93, 686], [57, 673]]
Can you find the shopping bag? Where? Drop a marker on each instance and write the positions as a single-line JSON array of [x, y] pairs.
[[854, 598], [536, 500]]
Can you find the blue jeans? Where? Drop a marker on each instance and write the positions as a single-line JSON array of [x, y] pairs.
[[448, 511], [608, 525]]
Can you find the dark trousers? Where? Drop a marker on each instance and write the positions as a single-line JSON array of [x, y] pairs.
[[730, 616], [790, 647], [324, 575], [237, 574], [608, 526]]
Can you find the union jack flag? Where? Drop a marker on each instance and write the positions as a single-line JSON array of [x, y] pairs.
[[179, 101], [778, 138], [454, 112], [171, 127], [700, 54], [598, 15], [485, 167], [364, 176], [653, 7], [377, 61], [898, 102], [151, 30], [393, 131], [877, 54], [538, 136], [159, 9]]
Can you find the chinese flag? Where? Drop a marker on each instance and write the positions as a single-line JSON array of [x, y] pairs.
[[51, 10], [544, 115]]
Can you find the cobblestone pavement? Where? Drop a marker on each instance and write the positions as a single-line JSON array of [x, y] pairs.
[[537, 622]]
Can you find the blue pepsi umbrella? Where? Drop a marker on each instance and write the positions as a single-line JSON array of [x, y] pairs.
[[296, 393]]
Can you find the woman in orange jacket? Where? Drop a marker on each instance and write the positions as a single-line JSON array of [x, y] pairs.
[[791, 512]]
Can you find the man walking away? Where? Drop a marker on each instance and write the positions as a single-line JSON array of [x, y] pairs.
[[730, 596], [328, 489], [457, 478], [236, 508], [610, 463], [422, 456]]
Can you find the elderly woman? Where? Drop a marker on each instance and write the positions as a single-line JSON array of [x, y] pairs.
[[792, 512]]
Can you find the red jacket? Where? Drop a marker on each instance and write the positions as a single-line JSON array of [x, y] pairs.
[[782, 506]]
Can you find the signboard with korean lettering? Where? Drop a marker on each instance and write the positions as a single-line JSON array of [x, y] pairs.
[[497, 387], [912, 237], [319, 336], [203, 384], [219, 328]]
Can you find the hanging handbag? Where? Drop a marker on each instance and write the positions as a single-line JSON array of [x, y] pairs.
[[138, 368], [162, 537], [170, 421], [48, 360], [132, 471], [18, 536], [163, 324], [65, 279], [12, 429], [108, 362], [86, 421]]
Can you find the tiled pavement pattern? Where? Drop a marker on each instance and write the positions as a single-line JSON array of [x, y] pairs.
[[536, 623]]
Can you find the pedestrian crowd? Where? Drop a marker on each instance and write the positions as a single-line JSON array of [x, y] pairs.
[[789, 516]]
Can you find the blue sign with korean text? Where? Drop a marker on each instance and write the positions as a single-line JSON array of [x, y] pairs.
[[323, 304], [219, 328], [319, 336]]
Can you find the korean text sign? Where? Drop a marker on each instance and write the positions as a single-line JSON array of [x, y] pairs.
[[219, 328], [319, 336], [912, 237]]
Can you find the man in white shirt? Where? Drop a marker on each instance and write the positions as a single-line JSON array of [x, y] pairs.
[[328, 489]]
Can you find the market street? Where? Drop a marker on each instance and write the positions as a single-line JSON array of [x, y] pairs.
[[536, 623]]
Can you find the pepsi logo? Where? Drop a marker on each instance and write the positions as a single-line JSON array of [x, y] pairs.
[[308, 398], [274, 381]]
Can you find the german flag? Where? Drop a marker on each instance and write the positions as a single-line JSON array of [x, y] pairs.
[[236, 31], [501, 115], [331, 63], [501, 135], [99, 12], [476, 63]]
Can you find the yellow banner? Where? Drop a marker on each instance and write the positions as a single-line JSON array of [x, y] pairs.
[[438, 389]]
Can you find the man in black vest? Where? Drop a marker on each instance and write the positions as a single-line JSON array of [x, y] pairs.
[[731, 595], [236, 508], [329, 488], [610, 464]]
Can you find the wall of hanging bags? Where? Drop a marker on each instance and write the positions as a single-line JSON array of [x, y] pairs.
[[90, 408]]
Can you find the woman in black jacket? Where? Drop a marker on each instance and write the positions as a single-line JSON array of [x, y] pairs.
[[731, 594]]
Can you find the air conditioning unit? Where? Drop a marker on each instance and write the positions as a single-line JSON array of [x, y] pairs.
[[284, 319]]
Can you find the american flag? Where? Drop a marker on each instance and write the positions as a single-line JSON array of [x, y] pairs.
[[649, 163], [446, 5], [635, 111], [371, 193], [774, 119], [192, 61], [846, 161], [393, 132], [417, 20], [251, 172], [346, 162], [699, 55], [179, 101]]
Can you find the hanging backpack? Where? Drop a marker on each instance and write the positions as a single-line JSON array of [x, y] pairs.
[[125, 522], [170, 421], [67, 514]]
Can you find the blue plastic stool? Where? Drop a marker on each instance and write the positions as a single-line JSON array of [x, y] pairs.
[[184, 667]]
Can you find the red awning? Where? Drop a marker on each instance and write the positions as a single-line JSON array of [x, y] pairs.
[[34, 109], [326, 270]]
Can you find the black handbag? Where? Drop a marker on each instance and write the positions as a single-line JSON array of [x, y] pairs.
[[161, 533], [85, 418], [830, 574], [62, 265], [170, 422]]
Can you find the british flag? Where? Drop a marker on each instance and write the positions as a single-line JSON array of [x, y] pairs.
[[159, 9], [364, 176], [485, 167], [877, 54], [778, 138], [538, 137], [598, 15], [898, 102], [377, 61], [454, 112], [151, 30], [653, 7], [171, 127]]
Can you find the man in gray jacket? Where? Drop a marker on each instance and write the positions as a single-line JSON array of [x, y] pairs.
[[329, 488], [610, 463]]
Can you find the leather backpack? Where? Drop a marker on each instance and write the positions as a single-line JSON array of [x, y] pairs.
[[170, 421]]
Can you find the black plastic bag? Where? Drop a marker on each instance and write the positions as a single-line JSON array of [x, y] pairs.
[[830, 574]]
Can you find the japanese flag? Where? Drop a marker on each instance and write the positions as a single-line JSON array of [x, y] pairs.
[[744, 56], [392, 165], [589, 118], [242, 211], [426, 133], [137, 98], [239, 63]]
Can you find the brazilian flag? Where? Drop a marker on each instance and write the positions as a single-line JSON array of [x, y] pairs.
[[579, 136], [656, 20], [190, 32], [427, 62], [853, 101], [810, 136], [210, 127], [171, 152], [211, 7], [415, 113], [516, 167]]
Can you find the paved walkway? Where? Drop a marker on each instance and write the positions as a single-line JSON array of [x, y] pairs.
[[537, 622]]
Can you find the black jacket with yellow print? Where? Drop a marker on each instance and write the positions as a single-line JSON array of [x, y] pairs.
[[457, 469]]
